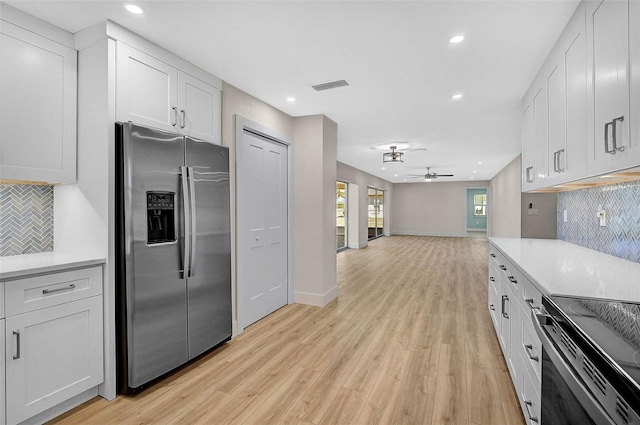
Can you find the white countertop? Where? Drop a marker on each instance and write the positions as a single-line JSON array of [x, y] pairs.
[[562, 268], [17, 266]]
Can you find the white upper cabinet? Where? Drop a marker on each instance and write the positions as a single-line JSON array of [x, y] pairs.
[[154, 93], [200, 108], [37, 107], [147, 90], [527, 145], [567, 89], [592, 92], [610, 147]]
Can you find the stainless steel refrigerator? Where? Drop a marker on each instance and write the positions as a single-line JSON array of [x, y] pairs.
[[173, 247]]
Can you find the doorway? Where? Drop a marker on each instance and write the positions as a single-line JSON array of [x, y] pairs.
[[341, 215], [375, 212], [477, 211], [262, 229]]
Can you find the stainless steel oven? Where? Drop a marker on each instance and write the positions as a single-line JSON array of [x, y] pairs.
[[583, 380]]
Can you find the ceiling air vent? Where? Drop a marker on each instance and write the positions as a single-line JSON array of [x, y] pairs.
[[330, 85]]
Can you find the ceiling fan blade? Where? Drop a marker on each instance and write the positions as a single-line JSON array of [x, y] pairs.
[[445, 175], [416, 175]]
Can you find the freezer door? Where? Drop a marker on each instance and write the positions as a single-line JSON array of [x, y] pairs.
[[209, 284], [155, 291]]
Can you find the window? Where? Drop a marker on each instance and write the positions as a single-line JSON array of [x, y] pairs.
[[480, 205]]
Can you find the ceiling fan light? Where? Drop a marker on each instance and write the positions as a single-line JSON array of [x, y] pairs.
[[392, 156]]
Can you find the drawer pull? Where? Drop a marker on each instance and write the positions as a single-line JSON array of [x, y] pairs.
[[528, 348], [492, 255], [64, 288], [17, 334], [503, 267], [512, 279], [528, 404], [529, 302], [492, 279], [492, 307], [505, 314]]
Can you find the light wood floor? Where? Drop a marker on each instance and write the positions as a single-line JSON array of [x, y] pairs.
[[408, 341]]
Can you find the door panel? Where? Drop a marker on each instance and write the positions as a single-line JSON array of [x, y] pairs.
[[146, 89], [201, 105], [155, 289], [209, 287], [262, 228]]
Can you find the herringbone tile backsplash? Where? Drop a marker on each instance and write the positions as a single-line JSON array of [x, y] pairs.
[[621, 236], [26, 219]]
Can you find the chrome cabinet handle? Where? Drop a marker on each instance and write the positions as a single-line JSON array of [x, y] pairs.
[[560, 170], [512, 279], [491, 307], [65, 288], [615, 138], [187, 223], [184, 118], [502, 267], [528, 404], [606, 139], [555, 161], [492, 255], [504, 314], [529, 302], [175, 116], [17, 334], [528, 348], [528, 175]]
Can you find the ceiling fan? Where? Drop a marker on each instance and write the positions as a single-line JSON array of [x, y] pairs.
[[395, 155], [429, 176]]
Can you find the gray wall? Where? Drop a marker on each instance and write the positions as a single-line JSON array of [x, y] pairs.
[[431, 209], [542, 225], [504, 201]]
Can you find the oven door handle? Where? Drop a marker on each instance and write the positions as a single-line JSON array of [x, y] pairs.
[[582, 394]]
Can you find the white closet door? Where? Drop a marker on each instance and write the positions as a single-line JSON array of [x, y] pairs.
[[262, 202]]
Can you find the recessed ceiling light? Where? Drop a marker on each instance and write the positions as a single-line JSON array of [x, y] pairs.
[[404, 180], [456, 96], [136, 10], [472, 178], [383, 168], [395, 175], [291, 99], [456, 39], [479, 162], [475, 171]]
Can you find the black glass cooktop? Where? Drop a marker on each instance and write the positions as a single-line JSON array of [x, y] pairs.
[[609, 333]]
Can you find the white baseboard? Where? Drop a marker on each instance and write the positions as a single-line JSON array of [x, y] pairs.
[[359, 245], [318, 300], [447, 235]]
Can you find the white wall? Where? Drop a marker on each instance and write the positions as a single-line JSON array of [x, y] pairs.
[[431, 209], [504, 201], [365, 180]]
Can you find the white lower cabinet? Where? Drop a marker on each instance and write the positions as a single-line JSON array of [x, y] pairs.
[[52, 341], [2, 377], [513, 296]]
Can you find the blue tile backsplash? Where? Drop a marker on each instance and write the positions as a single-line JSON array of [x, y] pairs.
[[621, 236], [26, 219]]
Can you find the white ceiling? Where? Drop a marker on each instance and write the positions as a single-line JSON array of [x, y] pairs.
[[396, 56]]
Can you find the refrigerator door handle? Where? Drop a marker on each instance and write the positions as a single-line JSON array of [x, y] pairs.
[[184, 175], [192, 199]]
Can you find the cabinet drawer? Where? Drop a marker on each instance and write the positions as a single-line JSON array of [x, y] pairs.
[[531, 349], [495, 257], [530, 297], [1, 300], [34, 293], [530, 400]]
